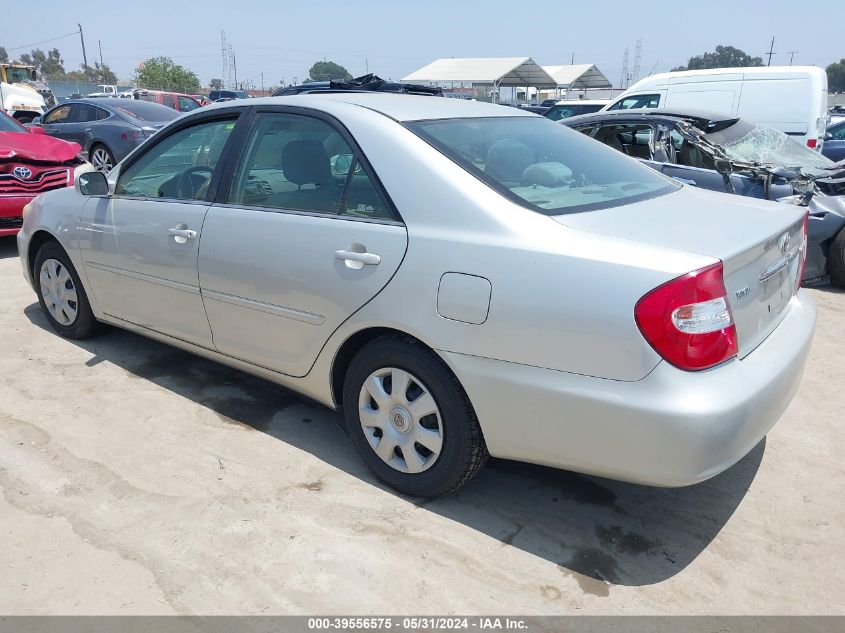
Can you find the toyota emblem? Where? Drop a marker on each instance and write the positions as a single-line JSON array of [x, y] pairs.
[[783, 243], [22, 173]]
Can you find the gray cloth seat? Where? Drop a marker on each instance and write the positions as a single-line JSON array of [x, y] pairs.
[[306, 163], [507, 160]]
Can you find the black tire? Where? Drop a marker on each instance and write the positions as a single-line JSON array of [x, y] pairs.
[[84, 324], [836, 259], [463, 452]]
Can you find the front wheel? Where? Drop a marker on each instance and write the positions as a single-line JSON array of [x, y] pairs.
[[410, 418], [836, 259], [61, 294]]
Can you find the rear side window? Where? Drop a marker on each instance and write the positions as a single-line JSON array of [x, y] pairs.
[[637, 101], [543, 165], [301, 163]]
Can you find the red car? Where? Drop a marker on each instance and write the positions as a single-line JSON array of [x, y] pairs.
[[30, 163], [175, 100]]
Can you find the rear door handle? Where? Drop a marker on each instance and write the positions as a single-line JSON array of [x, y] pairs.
[[363, 259]]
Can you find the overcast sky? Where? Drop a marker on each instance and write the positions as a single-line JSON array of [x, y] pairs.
[[282, 38]]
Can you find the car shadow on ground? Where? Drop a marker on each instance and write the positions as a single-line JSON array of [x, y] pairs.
[[597, 531], [8, 246]]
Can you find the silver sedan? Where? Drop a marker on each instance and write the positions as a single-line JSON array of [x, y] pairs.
[[460, 279]]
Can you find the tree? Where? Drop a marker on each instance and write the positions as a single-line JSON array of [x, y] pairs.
[[836, 76], [4, 56], [162, 73], [216, 84], [53, 66], [328, 71], [723, 57]]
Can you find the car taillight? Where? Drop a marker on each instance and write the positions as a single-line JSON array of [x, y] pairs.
[[812, 142], [803, 254], [688, 320], [135, 135]]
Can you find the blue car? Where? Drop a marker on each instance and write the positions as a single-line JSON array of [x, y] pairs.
[[733, 155], [834, 142]]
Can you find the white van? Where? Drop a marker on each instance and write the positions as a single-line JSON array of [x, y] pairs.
[[792, 99]]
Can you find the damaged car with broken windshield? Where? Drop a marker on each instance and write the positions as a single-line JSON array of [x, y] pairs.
[[734, 155]]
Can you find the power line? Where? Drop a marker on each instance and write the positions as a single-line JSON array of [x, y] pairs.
[[52, 39]]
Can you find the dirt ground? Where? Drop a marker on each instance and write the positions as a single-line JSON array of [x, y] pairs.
[[138, 479]]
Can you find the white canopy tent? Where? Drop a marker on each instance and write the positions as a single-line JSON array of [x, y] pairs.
[[496, 72], [576, 77]]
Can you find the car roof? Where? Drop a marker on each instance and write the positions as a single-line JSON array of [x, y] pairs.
[[583, 102], [700, 118], [400, 107]]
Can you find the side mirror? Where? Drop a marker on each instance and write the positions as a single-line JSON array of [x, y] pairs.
[[36, 121], [828, 136], [93, 183]]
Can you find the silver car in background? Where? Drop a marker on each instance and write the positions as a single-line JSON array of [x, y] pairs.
[[461, 279]]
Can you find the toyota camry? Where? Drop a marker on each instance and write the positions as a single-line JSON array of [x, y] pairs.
[[458, 278]]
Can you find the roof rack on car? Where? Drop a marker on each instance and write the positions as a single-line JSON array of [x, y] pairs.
[[364, 83]]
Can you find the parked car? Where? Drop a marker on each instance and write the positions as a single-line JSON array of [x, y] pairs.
[[30, 164], [792, 99], [227, 95], [175, 100], [106, 128], [533, 109], [730, 154], [364, 83], [459, 278], [548, 103], [566, 109], [837, 114], [834, 143]]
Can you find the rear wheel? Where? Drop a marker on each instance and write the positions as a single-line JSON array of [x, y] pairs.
[[836, 259], [61, 294], [101, 158], [410, 418]]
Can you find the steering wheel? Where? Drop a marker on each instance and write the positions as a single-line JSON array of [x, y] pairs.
[[185, 185]]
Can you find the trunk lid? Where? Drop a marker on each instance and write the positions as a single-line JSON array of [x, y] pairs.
[[757, 241]]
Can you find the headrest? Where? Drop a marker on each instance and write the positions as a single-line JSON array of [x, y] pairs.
[[306, 162]]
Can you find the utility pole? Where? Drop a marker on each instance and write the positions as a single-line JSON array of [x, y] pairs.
[[235, 69], [84, 54], [366, 66], [771, 51], [791, 55], [102, 66], [262, 84], [572, 61]]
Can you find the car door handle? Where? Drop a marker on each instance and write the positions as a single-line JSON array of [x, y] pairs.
[[367, 259], [181, 235]]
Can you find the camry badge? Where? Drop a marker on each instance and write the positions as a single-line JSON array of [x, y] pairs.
[[22, 173]]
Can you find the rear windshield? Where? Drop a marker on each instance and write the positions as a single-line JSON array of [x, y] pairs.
[[543, 165], [145, 111]]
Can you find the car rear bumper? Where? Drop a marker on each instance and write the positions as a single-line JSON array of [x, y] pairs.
[[11, 213], [672, 428]]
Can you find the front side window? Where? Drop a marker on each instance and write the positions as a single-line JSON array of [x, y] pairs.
[[637, 101], [186, 104], [59, 115], [838, 132], [180, 166], [561, 112], [541, 164], [301, 163]]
